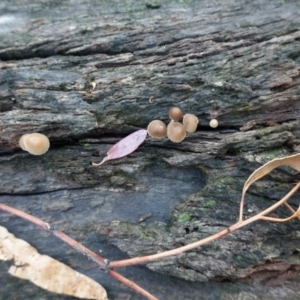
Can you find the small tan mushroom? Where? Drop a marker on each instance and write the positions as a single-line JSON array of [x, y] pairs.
[[175, 113], [213, 123], [21, 141], [34, 143], [190, 122], [176, 132], [157, 129]]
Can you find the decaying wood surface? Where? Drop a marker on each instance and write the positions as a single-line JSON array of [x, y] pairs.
[[88, 73]]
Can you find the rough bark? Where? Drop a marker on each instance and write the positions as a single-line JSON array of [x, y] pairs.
[[238, 61]]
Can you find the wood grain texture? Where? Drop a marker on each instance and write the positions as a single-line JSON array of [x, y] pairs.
[[83, 73]]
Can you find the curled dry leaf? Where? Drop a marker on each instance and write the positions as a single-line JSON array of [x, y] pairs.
[[292, 161], [45, 271], [125, 146]]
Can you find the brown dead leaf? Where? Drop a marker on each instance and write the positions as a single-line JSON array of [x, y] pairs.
[[292, 161], [45, 271]]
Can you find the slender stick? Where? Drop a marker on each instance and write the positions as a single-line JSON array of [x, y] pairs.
[[292, 210], [239, 224], [130, 284], [289, 207], [100, 261], [26, 216], [139, 260], [270, 219]]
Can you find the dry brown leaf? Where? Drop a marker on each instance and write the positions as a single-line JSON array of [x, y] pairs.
[[45, 271], [292, 161]]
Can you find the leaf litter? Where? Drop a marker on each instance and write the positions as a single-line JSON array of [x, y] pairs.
[[125, 146], [46, 272], [9, 248]]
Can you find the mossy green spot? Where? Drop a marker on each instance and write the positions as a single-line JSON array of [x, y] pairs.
[[239, 257], [184, 217], [209, 203]]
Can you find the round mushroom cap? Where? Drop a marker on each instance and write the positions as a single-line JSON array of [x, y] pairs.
[[176, 132], [157, 129], [190, 122], [175, 113], [213, 123], [35, 143]]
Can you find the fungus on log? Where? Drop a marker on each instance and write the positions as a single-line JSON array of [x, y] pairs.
[[34, 143], [190, 122], [157, 129], [83, 73]]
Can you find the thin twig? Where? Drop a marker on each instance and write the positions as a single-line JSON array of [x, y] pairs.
[[291, 210], [26, 216], [141, 260], [289, 207], [131, 284], [239, 224], [270, 219], [100, 261]]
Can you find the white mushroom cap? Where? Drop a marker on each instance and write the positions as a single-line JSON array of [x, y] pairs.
[[157, 129], [190, 122], [34, 143], [213, 123], [176, 132], [175, 113]]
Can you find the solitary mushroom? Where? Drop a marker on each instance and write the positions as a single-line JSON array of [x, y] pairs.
[[21, 141], [157, 129], [176, 132], [175, 113], [213, 123], [34, 143], [190, 122]]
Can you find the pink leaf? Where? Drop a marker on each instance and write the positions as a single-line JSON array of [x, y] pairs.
[[125, 146]]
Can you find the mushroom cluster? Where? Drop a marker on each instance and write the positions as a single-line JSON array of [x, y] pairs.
[[34, 143], [175, 131]]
